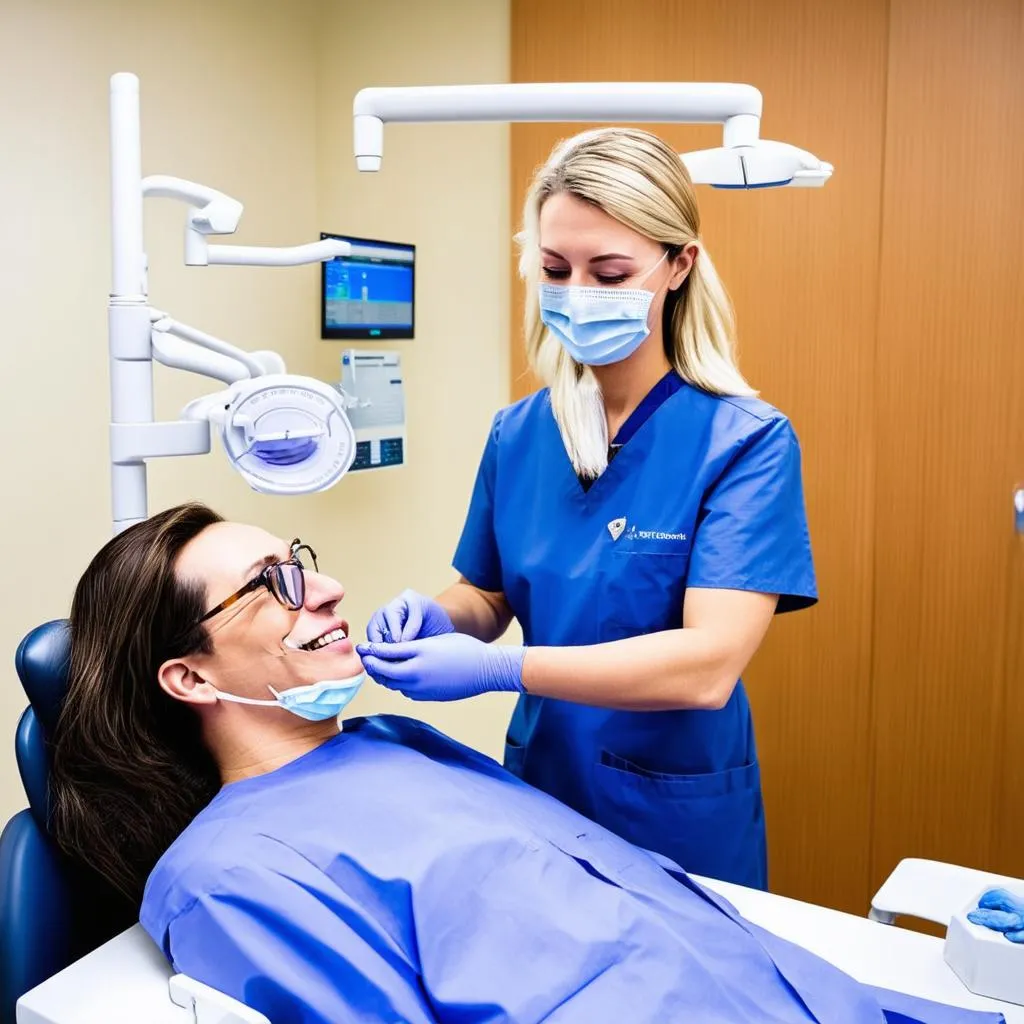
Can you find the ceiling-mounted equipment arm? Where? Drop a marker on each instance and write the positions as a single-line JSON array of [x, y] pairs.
[[737, 107], [743, 161]]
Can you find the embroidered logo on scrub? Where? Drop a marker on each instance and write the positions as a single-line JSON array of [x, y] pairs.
[[617, 527]]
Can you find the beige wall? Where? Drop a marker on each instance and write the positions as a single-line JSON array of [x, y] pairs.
[[252, 97], [444, 188]]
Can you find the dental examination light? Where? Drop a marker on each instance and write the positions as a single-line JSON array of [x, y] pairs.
[[742, 161], [284, 433]]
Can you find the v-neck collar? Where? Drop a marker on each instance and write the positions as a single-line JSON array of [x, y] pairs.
[[649, 405], [665, 388]]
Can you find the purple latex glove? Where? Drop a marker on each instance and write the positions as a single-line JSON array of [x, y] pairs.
[[448, 667], [1001, 911], [410, 616]]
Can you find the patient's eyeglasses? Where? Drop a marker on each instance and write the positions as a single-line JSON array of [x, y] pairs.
[[285, 580]]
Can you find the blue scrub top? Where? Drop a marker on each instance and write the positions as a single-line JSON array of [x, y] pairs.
[[705, 491], [393, 875]]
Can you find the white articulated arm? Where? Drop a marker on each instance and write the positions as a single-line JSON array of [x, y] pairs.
[[743, 161], [212, 213], [278, 256], [197, 357], [737, 107], [180, 355]]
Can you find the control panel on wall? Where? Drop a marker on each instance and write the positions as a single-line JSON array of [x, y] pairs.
[[371, 384]]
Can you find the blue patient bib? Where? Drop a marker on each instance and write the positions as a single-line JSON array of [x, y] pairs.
[[393, 875]]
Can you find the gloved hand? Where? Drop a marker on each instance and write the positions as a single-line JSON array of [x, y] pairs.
[[410, 616], [447, 667], [1001, 911]]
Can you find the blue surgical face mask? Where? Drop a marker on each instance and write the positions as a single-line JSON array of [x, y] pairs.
[[316, 702], [597, 326]]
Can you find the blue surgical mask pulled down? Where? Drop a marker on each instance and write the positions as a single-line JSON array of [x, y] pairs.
[[597, 325], [316, 702]]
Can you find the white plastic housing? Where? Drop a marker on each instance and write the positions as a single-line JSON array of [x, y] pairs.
[[983, 959], [766, 164], [279, 406]]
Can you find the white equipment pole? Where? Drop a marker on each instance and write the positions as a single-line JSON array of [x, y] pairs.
[[131, 368], [138, 334]]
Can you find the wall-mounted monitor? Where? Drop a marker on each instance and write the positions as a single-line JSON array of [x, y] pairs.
[[370, 294]]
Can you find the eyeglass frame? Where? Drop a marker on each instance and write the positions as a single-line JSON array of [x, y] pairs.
[[263, 580]]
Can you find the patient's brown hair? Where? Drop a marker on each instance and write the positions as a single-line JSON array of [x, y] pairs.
[[130, 770]]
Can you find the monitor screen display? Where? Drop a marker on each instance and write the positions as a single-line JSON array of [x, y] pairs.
[[370, 293]]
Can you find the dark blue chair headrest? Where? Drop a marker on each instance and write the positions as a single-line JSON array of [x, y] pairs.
[[53, 910], [33, 758], [42, 665]]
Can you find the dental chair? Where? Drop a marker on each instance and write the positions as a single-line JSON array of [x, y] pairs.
[[51, 910], [54, 911]]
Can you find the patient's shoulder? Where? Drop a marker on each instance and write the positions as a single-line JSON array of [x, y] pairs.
[[415, 735], [211, 856], [393, 729], [193, 861], [426, 741]]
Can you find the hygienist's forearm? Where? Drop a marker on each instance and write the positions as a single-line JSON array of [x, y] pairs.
[[678, 668], [476, 612]]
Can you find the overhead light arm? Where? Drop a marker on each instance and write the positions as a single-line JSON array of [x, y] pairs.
[[743, 160]]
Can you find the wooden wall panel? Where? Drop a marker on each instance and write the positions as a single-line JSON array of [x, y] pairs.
[[802, 267], [1007, 819], [949, 371]]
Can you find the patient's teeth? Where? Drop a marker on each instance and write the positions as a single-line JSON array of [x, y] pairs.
[[322, 641]]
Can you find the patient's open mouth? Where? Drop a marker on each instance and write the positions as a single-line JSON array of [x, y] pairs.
[[333, 635], [323, 641]]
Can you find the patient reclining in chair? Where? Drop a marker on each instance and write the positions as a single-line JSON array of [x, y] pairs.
[[379, 871]]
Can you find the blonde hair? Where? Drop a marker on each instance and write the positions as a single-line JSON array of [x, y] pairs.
[[636, 178]]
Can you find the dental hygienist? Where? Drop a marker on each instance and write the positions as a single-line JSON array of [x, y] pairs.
[[642, 517]]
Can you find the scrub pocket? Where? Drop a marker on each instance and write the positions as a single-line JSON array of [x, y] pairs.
[[515, 756], [710, 824], [642, 592]]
